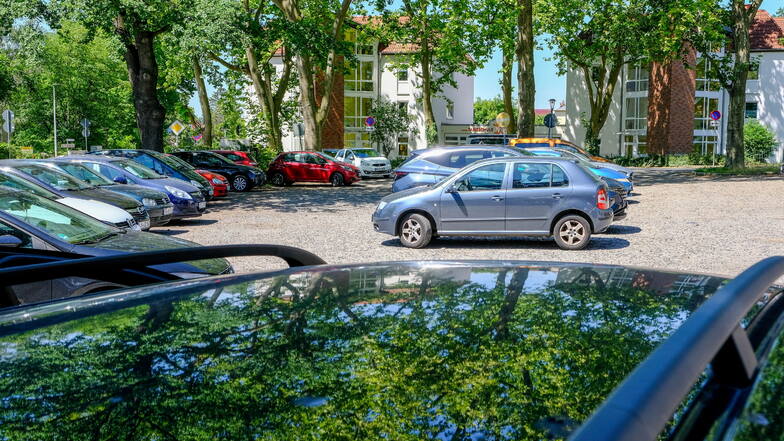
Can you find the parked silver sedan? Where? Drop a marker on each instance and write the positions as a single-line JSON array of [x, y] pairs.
[[525, 196]]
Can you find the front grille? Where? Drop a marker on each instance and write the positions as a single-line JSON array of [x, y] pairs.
[[379, 164], [162, 201], [196, 195], [139, 215], [124, 225]]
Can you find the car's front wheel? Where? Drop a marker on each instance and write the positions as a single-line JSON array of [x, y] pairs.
[[416, 231], [572, 232], [336, 180], [278, 179], [240, 183]]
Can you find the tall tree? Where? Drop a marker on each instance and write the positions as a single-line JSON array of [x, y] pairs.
[[319, 26], [138, 26], [204, 102], [597, 37], [524, 54], [436, 47]]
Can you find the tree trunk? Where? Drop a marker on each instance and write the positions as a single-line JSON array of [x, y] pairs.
[[526, 87], [307, 98], [600, 96], [431, 129], [143, 74], [741, 17], [506, 89], [204, 102]]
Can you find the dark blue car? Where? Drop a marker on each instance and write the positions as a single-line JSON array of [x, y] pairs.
[[428, 166], [165, 165], [188, 200]]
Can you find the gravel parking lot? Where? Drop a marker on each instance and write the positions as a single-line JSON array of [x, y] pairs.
[[676, 221]]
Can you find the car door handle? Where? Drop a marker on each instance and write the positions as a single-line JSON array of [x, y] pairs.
[[497, 198], [556, 195]]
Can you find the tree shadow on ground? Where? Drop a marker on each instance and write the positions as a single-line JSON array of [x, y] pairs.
[[663, 175], [622, 229], [597, 243], [191, 222], [166, 232]]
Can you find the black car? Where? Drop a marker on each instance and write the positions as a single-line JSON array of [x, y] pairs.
[[61, 183], [241, 177], [158, 206], [404, 351], [165, 165]]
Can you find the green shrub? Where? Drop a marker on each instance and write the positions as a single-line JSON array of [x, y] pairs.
[[397, 161], [694, 158], [263, 156], [758, 141]]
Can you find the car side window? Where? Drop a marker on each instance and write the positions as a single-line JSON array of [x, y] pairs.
[[531, 175], [146, 161], [350, 156], [558, 177], [106, 171], [461, 159], [208, 160], [441, 159], [7, 230], [487, 177], [233, 157], [500, 154]]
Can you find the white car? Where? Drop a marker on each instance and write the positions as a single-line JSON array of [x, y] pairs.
[[368, 161], [99, 210]]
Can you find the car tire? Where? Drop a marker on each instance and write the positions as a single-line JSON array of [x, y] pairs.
[[278, 179], [416, 231], [572, 232], [240, 183], [337, 180]]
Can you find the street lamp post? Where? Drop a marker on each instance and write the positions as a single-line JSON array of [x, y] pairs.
[[54, 118], [552, 115]]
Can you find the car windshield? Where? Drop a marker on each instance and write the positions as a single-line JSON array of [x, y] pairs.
[[57, 220], [12, 181], [137, 169], [219, 157], [330, 157], [370, 352], [85, 174], [175, 162], [365, 153], [54, 177]]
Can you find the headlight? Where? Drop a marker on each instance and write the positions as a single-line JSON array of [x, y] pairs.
[[148, 202], [177, 192], [216, 181], [381, 205], [196, 184]]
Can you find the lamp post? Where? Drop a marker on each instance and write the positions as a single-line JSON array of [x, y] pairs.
[[552, 115], [54, 118]]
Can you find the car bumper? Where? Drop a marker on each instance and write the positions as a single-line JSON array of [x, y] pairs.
[[602, 220], [189, 209], [220, 191], [375, 172], [383, 225], [161, 214]]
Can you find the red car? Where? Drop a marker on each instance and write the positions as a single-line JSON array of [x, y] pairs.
[[238, 157], [291, 167], [220, 185]]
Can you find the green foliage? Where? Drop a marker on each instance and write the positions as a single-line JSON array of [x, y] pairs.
[[485, 110], [746, 171], [431, 134], [391, 120], [758, 141], [694, 158]]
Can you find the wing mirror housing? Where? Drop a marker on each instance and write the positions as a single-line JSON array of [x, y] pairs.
[[9, 241], [120, 180]]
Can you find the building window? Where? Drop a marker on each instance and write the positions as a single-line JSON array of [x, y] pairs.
[[703, 106], [704, 82], [359, 48], [402, 75], [636, 113], [450, 111], [635, 145], [353, 140], [637, 79], [355, 111], [705, 144], [360, 77], [402, 146], [751, 110]]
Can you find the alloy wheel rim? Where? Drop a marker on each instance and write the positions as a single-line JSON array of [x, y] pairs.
[[277, 180], [337, 179], [240, 183], [572, 232], [411, 231]]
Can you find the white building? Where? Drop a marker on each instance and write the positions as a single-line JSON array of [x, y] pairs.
[[626, 130], [376, 77]]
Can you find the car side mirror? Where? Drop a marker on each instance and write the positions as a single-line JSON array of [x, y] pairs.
[[450, 189], [121, 180], [9, 241]]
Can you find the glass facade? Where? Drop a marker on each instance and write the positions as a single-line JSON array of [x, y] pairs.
[[360, 89], [703, 106], [706, 144]]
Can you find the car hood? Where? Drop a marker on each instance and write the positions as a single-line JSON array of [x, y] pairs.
[[497, 350], [373, 158], [178, 183], [118, 200], [135, 191], [136, 242], [97, 209]]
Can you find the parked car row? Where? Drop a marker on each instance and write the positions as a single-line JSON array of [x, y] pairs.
[[502, 190]]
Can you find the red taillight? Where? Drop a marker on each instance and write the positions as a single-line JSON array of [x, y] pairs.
[[601, 199], [399, 174]]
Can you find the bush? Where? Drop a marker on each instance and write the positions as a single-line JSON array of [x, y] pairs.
[[694, 158], [263, 156], [758, 141]]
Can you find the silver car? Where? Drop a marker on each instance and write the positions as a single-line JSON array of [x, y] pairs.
[[527, 196]]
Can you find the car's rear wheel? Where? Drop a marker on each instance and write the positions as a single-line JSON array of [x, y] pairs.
[[240, 183], [416, 231], [572, 232], [336, 180], [278, 179]]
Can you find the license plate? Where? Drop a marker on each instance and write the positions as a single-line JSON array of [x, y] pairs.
[[202, 205], [132, 225], [144, 225], [168, 210]]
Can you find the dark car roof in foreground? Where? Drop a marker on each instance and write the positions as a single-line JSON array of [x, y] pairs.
[[505, 350]]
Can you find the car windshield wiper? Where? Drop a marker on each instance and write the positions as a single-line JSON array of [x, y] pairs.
[[99, 239]]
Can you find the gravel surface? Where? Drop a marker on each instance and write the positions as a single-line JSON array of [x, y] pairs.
[[676, 221]]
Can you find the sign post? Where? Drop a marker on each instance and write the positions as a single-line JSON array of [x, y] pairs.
[[8, 126], [85, 131], [715, 116], [370, 123], [177, 127], [502, 122]]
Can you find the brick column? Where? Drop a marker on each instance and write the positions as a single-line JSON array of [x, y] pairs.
[[671, 90]]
